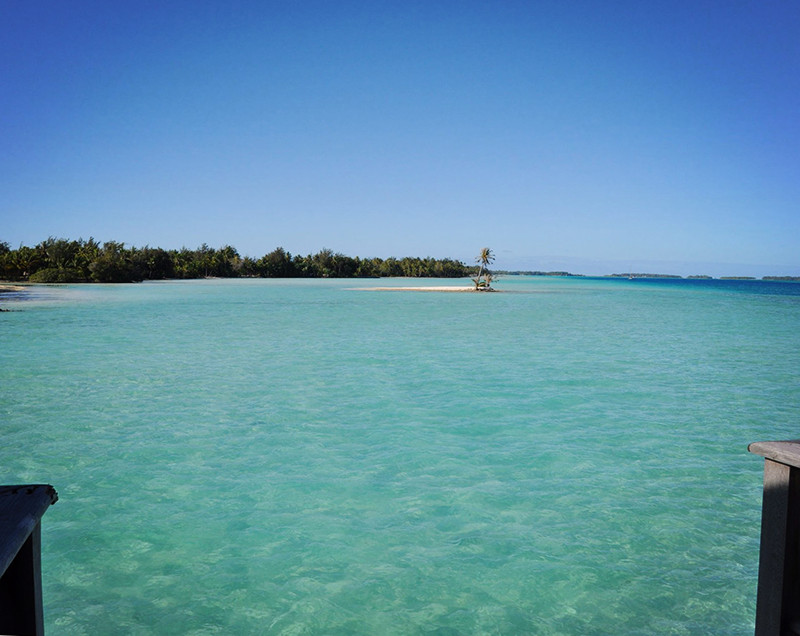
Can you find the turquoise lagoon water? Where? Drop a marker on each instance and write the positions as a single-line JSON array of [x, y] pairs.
[[305, 457]]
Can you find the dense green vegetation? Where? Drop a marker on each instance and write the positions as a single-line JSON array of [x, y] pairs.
[[62, 261]]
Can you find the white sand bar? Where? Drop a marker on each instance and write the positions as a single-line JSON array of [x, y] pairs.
[[442, 288]]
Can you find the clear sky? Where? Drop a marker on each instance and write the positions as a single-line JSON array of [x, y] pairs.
[[596, 137]]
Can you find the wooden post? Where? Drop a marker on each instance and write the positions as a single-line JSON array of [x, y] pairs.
[[778, 601], [21, 510]]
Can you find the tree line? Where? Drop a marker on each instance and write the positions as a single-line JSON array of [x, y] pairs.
[[58, 260]]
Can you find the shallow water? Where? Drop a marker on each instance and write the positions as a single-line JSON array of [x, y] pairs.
[[303, 457]]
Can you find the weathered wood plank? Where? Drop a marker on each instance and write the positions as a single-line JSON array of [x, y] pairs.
[[778, 600], [21, 609], [772, 555], [21, 509], [787, 452], [790, 606]]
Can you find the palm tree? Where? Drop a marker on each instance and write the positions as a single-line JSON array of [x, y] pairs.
[[484, 279]]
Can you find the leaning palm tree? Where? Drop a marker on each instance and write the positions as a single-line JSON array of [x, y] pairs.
[[484, 279]]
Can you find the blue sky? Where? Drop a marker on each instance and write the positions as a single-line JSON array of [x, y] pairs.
[[590, 136]]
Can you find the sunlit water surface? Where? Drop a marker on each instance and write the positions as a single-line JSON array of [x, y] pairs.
[[305, 457]]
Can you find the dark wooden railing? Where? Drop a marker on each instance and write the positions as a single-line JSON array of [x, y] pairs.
[[21, 510], [778, 601]]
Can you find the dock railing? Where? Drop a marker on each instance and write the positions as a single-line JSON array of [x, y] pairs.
[[778, 600], [778, 595], [21, 510]]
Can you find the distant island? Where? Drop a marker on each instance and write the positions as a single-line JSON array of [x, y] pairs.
[[639, 275], [535, 273], [706, 277]]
